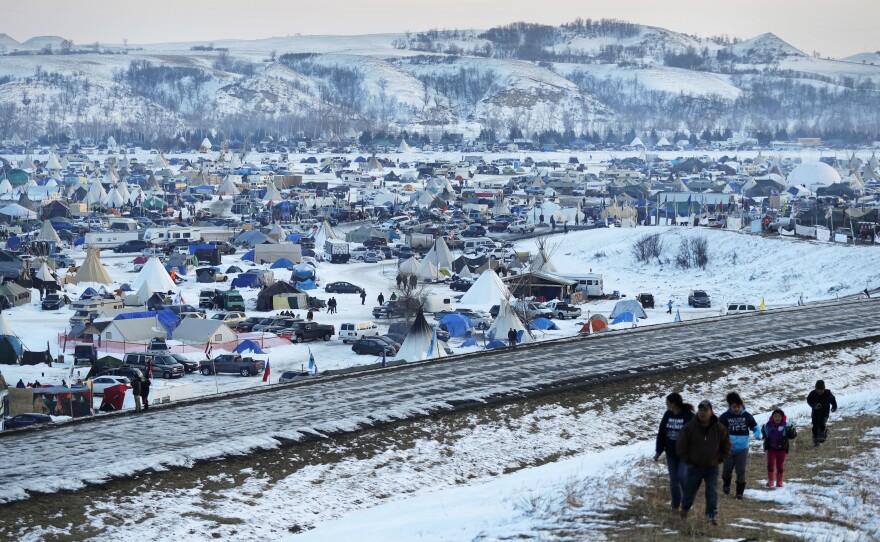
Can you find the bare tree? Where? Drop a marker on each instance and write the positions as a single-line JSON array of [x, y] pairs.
[[411, 296]]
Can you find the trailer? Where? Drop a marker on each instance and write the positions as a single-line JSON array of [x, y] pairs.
[[336, 250], [109, 239], [419, 240]]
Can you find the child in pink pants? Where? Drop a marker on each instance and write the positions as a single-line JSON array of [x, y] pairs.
[[777, 433]]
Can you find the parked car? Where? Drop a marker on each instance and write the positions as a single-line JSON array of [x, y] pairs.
[[25, 420], [740, 308], [85, 354], [248, 325], [60, 261], [389, 309], [129, 372], [309, 331], [342, 288], [521, 226], [498, 226], [563, 310], [233, 363], [646, 300], [231, 319], [461, 285], [163, 364], [389, 341], [180, 310], [101, 383], [225, 247], [371, 257], [373, 346], [534, 310], [131, 246], [264, 324], [53, 302], [189, 366], [699, 299]]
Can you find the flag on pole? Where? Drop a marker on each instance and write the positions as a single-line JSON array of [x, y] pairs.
[[267, 372], [72, 364], [311, 359], [677, 316], [208, 350], [384, 361], [763, 306]]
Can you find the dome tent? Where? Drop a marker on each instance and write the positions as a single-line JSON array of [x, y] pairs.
[[813, 175]]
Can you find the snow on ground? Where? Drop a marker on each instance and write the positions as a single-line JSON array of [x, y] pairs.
[[743, 267]]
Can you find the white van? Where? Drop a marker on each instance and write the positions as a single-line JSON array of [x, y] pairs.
[[349, 332], [474, 244]]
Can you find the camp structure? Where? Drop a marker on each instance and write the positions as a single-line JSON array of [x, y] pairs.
[[439, 255], [628, 305], [11, 348], [48, 233], [281, 295], [92, 270], [421, 342], [200, 331], [507, 320], [154, 274], [487, 290], [15, 294], [272, 252], [134, 330]]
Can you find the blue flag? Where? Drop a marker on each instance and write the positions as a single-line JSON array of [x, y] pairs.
[[383, 358], [311, 359]]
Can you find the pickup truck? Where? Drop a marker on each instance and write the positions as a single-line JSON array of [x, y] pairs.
[[389, 309], [308, 331], [233, 363], [521, 227]]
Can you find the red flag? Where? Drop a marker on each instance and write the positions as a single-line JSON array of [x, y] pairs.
[[266, 372]]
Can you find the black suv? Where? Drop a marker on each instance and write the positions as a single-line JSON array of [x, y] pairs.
[[699, 299], [373, 346], [53, 302], [647, 300], [131, 246]]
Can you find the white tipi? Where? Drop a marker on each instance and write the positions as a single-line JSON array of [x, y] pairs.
[[421, 342], [487, 290], [154, 274]]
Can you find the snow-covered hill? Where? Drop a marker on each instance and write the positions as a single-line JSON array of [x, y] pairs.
[[583, 77]]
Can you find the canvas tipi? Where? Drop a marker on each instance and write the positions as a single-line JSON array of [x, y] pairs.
[[421, 342], [487, 290], [154, 274], [92, 270], [507, 320]]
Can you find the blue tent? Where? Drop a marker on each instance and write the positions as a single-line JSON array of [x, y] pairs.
[[360, 160], [282, 263], [293, 237], [469, 342], [88, 292], [543, 323], [248, 256], [13, 243], [306, 285], [248, 345], [624, 317], [497, 344], [79, 241], [247, 280], [458, 325], [303, 271]]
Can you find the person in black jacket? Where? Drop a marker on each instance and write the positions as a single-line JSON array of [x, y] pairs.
[[145, 392], [822, 402], [136, 392], [677, 414]]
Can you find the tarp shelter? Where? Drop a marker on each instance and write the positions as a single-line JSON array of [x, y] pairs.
[[248, 345], [14, 210], [421, 342], [92, 270], [266, 297], [628, 305], [233, 269], [282, 263], [248, 256], [105, 362], [118, 397], [623, 317], [59, 400], [11, 348], [248, 280], [303, 271], [206, 254], [491, 345], [206, 275], [458, 325], [308, 284], [542, 323], [15, 294]]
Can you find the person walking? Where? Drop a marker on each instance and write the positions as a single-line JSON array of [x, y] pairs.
[[565, 227], [145, 393], [703, 444], [677, 414], [335, 305], [669, 307], [822, 402], [511, 337], [777, 433], [363, 296], [740, 426], [136, 392], [310, 315], [381, 298]]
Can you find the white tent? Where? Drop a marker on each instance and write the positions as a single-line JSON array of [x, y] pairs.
[[45, 274], [123, 191], [487, 290], [637, 142], [541, 261], [96, 193], [507, 320], [427, 271], [206, 143], [198, 330], [421, 343], [440, 255], [154, 274], [228, 187], [628, 305], [410, 266], [144, 293], [403, 147], [53, 164], [113, 199], [272, 194], [465, 272], [48, 233], [324, 232], [5, 186], [15, 210]]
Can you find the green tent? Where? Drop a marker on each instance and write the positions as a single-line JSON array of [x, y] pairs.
[[106, 362], [153, 203], [17, 177]]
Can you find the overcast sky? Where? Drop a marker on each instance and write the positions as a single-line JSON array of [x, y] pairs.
[[836, 29]]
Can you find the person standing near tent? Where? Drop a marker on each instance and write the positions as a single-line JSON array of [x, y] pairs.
[[740, 424], [511, 337], [677, 414], [822, 402], [703, 445], [145, 392], [381, 298], [136, 392], [363, 296]]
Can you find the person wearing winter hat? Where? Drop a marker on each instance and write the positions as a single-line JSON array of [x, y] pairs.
[[677, 414], [739, 424], [777, 433], [822, 402], [703, 444]]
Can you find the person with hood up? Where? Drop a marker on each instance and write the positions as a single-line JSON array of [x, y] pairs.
[[822, 402], [703, 444], [739, 424], [778, 431], [677, 414]]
